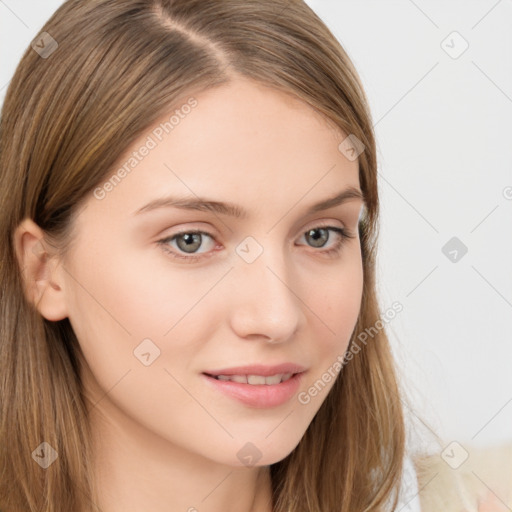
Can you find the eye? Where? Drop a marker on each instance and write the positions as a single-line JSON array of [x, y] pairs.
[[188, 242], [320, 235]]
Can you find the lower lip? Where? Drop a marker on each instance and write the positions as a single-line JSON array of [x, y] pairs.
[[258, 395]]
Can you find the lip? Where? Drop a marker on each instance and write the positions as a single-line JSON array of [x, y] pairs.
[[259, 369], [260, 396]]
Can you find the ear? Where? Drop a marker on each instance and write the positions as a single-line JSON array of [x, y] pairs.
[[42, 273]]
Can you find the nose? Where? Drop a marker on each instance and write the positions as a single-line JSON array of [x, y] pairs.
[[265, 303]]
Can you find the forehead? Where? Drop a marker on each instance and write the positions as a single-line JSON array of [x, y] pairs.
[[242, 142]]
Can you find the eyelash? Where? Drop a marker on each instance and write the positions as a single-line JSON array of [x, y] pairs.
[[343, 233]]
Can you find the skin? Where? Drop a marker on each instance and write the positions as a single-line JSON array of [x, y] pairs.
[[165, 440], [491, 503]]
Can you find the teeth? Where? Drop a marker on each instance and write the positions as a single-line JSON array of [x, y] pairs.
[[257, 379], [273, 379]]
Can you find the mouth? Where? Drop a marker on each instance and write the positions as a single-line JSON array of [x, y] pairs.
[[254, 389]]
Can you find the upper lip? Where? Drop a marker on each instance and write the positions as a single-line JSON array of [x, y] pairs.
[[259, 369]]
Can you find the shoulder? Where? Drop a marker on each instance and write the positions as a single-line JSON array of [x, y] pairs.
[[466, 478]]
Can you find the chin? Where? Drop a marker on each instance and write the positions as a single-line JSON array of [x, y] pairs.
[[263, 452]]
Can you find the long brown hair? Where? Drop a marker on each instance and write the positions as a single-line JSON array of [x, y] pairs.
[[110, 70]]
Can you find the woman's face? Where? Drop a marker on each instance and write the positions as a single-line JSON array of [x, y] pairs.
[[156, 307]]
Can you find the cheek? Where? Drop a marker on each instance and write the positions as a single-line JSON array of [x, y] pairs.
[[127, 293], [338, 304], [127, 311], [121, 317], [338, 310]]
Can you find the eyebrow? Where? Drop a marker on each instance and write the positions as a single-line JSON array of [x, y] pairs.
[[234, 210]]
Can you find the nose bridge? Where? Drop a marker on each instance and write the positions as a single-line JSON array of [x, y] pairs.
[[264, 301]]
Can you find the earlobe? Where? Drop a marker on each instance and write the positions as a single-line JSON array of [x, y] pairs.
[[41, 271]]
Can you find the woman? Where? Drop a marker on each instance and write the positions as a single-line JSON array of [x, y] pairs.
[[189, 223]]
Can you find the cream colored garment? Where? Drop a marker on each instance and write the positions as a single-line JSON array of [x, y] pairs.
[[482, 483]]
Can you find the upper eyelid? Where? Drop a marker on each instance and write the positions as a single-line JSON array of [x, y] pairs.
[[310, 225], [325, 225]]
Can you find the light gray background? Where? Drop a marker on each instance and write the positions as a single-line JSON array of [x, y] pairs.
[[444, 132]]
